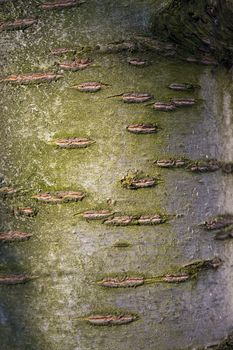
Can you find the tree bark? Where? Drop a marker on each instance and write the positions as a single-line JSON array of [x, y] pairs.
[[70, 257], [199, 27]]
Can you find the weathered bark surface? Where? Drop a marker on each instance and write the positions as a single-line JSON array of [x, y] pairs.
[[199, 27]]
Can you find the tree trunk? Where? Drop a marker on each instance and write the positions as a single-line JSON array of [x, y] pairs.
[[68, 255]]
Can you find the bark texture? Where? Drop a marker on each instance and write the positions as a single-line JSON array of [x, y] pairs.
[[201, 28]]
